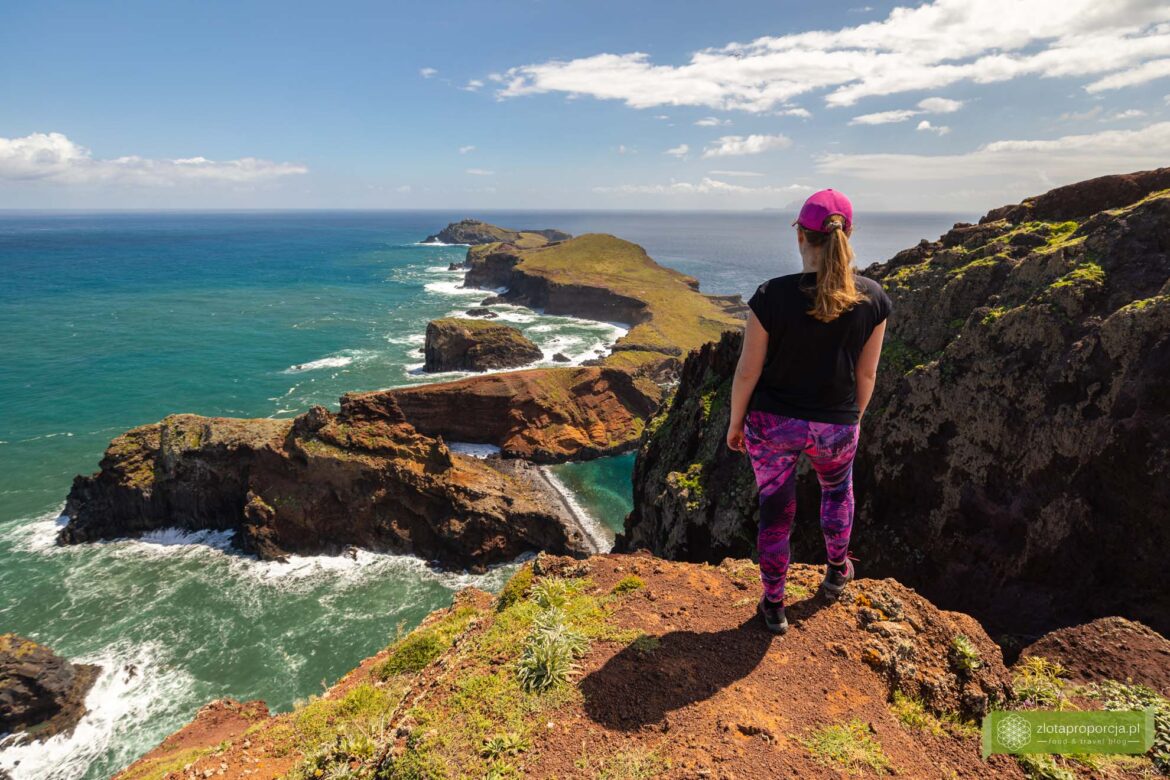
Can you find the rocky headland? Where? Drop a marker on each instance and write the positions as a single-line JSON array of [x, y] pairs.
[[1013, 459], [474, 232], [664, 672], [319, 483], [463, 344], [41, 693]]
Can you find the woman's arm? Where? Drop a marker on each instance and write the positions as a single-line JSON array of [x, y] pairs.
[[867, 364], [747, 373]]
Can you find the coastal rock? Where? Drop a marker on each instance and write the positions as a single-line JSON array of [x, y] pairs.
[[481, 311], [678, 654], [474, 231], [543, 414], [1018, 439], [458, 344], [320, 483], [561, 357], [601, 277], [41, 693]]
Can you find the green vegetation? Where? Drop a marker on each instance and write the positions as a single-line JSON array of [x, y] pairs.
[[549, 655], [994, 314], [626, 765], [691, 481], [515, 588], [159, 768], [1088, 273], [1145, 303], [1132, 696], [628, 583], [913, 714], [849, 745], [964, 655], [1040, 682], [645, 644], [423, 645], [903, 275], [676, 316], [1041, 766], [983, 262], [900, 356]]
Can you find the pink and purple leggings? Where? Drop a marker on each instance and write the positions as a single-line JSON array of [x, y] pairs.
[[774, 444]]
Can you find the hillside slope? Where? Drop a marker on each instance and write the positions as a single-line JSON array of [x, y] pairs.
[[675, 679]]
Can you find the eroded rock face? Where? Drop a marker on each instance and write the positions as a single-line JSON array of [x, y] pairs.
[[319, 483], [458, 344], [1013, 459], [474, 231], [41, 693], [542, 414]]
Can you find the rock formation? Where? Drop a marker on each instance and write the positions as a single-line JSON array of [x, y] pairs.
[[318, 484], [41, 694], [474, 231], [1109, 648], [674, 677], [461, 344], [1013, 459], [543, 414]]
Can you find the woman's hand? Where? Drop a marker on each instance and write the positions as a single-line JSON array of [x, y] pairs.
[[735, 438]]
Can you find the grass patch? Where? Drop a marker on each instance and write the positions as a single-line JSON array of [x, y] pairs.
[[423, 645], [624, 765], [691, 481], [1114, 695], [645, 644], [157, 769], [629, 583], [913, 714], [515, 588], [848, 745], [1084, 274]]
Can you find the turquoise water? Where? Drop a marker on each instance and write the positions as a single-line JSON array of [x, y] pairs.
[[115, 320]]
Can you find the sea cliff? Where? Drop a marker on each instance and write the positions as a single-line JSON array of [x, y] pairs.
[[1013, 459]]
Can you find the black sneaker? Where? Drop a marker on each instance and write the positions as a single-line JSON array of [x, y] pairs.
[[774, 618], [834, 582]]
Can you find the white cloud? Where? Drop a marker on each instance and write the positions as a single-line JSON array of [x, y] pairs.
[[1147, 71], [1132, 113], [1060, 160], [733, 145], [472, 86], [479, 172], [53, 157], [427, 73], [797, 111], [735, 173], [710, 121], [1074, 116], [931, 105], [925, 47], [679, 151], [926, 126], [661, 116], [467, 149], [940, 105], [404, 188], [884, 117], [623, 149], [704, 186]]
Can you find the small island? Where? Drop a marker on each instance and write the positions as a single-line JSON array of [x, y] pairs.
[[461, 344]]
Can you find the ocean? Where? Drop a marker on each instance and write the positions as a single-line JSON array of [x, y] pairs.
[[112, 320]]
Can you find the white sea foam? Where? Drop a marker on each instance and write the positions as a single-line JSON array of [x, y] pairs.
[[343, 358], [454, 287], [434, 243], [473, 449], [133, 692], [601, 536], [414, 339]]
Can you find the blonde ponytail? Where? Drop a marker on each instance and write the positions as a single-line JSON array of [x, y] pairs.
[[836, 290]]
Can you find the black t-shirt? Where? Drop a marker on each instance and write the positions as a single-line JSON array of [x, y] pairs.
[[809, 369]]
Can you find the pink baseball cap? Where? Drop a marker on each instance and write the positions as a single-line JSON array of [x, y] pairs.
[[820, 206]]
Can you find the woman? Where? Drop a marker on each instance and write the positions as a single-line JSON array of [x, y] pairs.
[[805, 375]]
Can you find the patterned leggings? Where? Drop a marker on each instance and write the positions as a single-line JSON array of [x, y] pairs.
[[774, 444]]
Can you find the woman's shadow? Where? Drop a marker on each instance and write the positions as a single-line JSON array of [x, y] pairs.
[[649, 678]]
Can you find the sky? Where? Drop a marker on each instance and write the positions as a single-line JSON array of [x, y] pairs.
[[948, 105]]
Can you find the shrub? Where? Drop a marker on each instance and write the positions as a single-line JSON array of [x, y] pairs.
[[549, 655], [1120, 696], [1040, 682], [628, 583], [849, 745]]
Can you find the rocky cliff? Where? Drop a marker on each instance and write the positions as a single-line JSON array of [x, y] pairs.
[[41, 693], [461, 344], [631, 666], [1013, 461], [474, 231], [319, 483]]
